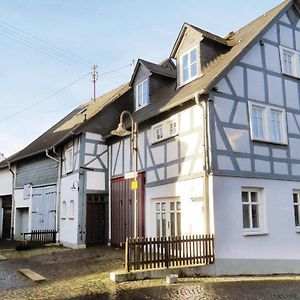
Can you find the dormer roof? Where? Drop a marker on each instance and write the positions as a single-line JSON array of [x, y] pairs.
[[165, 68], [203, 33]]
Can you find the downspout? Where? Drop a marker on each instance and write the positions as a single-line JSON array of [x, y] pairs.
[[12, 202], [205, 158], [57, 188]]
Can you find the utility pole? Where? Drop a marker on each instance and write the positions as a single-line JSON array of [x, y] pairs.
[[95, 78]]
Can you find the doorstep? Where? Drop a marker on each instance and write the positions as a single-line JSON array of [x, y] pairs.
[[188, 271]]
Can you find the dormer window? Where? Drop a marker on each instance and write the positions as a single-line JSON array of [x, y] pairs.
[[189, 66], [142, 94]]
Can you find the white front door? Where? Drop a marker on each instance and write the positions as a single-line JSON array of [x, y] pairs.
[[167, 217]]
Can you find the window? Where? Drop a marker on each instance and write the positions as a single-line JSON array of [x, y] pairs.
[[63, 209], [168, 217], [275, 123], [189, 65], [290, 61], [267, 123], [172, 127], [159, 133], [258, 122], [69, 160], [71, 210], [142, 94], [296, 198], [165, 129], [252, 207]]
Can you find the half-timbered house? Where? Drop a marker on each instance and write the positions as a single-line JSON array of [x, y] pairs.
[[219, 145], [218, 150]]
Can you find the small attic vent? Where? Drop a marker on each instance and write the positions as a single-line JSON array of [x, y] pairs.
[[81, 112]]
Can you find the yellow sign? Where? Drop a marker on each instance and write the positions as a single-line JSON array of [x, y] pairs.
[[134, 185]]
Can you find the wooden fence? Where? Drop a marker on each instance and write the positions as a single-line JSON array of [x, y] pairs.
[[165, 252], [46, 236]]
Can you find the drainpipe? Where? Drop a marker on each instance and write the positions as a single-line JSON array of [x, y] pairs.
[[205, 157], [12, 201], [57, 188]]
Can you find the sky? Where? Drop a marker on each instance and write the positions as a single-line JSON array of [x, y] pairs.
[[48, 48]]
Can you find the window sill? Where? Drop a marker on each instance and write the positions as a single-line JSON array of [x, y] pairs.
[[140, 107], [290, 76], [297, 229], [165, 138], [269, 142], [255, 233], [181, 84]]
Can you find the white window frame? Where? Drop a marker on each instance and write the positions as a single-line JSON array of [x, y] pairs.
[[267, 131], [165, 125], [295, 61], [154, 132], [71, 209], [69, 159], [165, 212], [191, 78], [261, 229], [141, 84], [296, 205], [64, 209]]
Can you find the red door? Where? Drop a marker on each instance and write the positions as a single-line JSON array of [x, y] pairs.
[[122, 209]]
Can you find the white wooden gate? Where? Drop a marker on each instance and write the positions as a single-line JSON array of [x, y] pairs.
[[43, 208]]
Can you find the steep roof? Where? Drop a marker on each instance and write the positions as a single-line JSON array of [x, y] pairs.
[[204, 33], [160, 69], [168, 97], [69, 125], [241, 41]]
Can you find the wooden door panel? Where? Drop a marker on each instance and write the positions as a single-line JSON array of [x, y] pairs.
[[122, 209]]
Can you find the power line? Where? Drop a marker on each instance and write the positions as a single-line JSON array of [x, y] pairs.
[[44, 44], [32, 41], [115, 70], [44, 99], [57, 92], [86, 62], [28, 43]]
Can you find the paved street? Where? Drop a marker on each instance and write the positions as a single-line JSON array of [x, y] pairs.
[[84, 274]]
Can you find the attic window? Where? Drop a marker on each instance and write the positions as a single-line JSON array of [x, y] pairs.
[[142, 94], [189, 66]]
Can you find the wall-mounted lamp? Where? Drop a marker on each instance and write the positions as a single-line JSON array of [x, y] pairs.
[[75, 186]]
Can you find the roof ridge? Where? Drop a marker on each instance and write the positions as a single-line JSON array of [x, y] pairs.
[[259, 17]]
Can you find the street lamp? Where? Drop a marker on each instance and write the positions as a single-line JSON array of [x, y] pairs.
[[121, 131]]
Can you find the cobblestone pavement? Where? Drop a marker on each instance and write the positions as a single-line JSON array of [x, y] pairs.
[[84, 274]]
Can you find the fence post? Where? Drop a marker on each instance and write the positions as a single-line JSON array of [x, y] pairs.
[[166, 244]]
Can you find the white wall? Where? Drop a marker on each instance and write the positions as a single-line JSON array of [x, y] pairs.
[[5, 182], [183, 152], [192, 214], [281, 241], [95, 157], [19, 199], [68, 226]]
